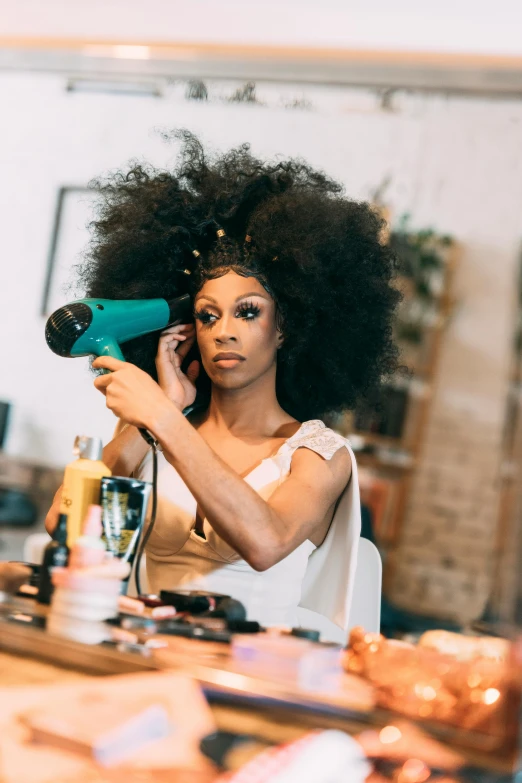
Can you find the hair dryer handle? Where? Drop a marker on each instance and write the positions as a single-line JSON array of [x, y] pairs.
[[109, 347]]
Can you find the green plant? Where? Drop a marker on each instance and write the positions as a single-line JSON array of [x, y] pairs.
[[422, 262]]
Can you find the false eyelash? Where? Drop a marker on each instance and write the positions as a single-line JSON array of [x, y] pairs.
[[206, 316], [249, 307], [203, 316]]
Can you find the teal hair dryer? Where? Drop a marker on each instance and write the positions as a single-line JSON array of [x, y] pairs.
[[99, 326]]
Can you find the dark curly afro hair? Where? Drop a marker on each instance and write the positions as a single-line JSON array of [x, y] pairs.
[[317, 253]]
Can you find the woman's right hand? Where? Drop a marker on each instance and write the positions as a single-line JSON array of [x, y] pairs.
[[174, 344]]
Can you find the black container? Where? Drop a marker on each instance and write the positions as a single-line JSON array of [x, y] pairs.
[[34, 579], [193, 601], [124, 506], [174, 628], [56, 554]]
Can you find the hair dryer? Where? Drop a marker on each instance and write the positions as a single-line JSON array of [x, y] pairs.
[[99, 326]]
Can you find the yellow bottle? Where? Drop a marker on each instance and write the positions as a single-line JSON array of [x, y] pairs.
[[81, 484]]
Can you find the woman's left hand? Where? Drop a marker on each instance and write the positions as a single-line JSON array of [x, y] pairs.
[[129, 392]]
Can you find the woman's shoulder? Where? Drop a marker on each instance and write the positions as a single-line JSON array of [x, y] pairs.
[[316, 436], [335, 467]]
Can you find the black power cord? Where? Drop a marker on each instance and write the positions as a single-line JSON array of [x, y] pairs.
[[142, 543], [144, 538]]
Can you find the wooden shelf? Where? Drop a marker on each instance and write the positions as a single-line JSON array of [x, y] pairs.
[[375, 452]]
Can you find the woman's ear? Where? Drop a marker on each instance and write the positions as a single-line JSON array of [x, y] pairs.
[[279, 326]]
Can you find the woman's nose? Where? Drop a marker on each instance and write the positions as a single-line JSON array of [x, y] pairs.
[[226, 330]]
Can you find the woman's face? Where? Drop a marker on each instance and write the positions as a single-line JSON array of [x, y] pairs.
[[236, 330]]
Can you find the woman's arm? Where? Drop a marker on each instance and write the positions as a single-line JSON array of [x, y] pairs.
[[122, 455], [125, 451], [261, 532]]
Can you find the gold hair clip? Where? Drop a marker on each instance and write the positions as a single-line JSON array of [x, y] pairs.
[[196, 253], [187, 272], [275, 258], [220, 232], [248, 238]]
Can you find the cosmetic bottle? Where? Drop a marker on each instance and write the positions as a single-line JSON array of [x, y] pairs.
[[81, 484], [56, 554], [89, 549]]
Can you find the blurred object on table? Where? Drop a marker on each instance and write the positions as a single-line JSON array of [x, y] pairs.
[[13, 576], [40, 763], [261, 666], [478, 697], [320, 756], [466, 648], [400, 740]]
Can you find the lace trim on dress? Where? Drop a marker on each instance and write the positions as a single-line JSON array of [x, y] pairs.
[[316, 436]]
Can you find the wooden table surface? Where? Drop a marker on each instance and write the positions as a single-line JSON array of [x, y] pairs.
[[17, 670], [268, 724]]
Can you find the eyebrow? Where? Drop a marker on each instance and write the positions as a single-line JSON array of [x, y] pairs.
[[242, 296]]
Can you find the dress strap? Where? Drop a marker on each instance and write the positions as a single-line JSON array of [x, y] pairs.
[[316, 436]]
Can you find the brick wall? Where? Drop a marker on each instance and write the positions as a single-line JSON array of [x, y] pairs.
[[445, 559]]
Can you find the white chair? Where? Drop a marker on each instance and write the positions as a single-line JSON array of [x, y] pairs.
[[366, 599], [366, 602]]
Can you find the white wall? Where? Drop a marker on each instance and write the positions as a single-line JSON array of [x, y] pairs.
[[455, 164], [476, 26]]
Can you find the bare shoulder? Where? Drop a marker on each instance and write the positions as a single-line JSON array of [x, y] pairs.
[[312, 468]]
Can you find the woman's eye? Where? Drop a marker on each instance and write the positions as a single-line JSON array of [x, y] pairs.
[[205, 317], [248, 311]]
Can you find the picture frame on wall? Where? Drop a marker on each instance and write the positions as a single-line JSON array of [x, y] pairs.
[[69, 239]]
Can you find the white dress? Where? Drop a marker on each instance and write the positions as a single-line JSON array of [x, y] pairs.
[[320, 579]]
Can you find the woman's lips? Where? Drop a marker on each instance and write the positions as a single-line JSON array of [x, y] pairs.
[[228, 360]]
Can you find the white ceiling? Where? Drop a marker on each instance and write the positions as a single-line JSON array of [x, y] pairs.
[[478, 26]]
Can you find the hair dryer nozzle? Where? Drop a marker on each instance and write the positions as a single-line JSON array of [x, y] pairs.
[[180, 310], [66, 325], [100, 326]]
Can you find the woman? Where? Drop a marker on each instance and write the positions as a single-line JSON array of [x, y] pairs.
[[292, 307]]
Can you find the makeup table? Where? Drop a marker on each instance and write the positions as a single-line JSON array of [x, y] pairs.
[[271, 711]]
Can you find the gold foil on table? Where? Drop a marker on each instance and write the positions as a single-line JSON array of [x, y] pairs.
[[401, 740], [413, 771], [422, 683]]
